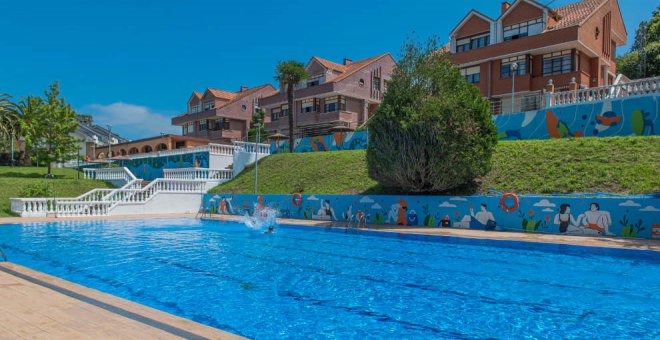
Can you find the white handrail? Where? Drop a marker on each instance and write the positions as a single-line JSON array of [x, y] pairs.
[[198, 173], [109, 174], [249, 147], [624, 90], [214, 149]]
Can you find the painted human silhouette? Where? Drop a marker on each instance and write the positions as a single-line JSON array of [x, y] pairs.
[[596, 219]]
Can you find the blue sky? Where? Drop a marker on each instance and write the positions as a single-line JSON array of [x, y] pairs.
[[135, 63]]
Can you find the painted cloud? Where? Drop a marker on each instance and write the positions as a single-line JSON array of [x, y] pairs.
[[312, 198], [366, 200], [629, 203], [446, 204], [462, 199], [650, 208], [376, 206], [544, 203]]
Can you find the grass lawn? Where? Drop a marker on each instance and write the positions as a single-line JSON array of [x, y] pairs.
[[628, 165], [14, 181]]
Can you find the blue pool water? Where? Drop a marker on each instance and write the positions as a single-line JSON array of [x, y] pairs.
[[311, 283]]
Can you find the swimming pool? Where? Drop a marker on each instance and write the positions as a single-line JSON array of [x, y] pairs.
[[305, 282]]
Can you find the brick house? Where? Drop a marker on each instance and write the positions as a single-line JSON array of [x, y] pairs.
[[148, 145], [221, 116], [577, 41], [334, 95]]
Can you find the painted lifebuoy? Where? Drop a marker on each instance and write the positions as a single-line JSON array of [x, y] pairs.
[[297, 200], [516, 202]]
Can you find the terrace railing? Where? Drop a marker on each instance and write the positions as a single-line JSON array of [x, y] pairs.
[[198, 173], [634, 88], [249, 147], [109, 174]]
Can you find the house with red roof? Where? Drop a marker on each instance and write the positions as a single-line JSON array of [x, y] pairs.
[[530, 44], [221, 116], [336, 96]]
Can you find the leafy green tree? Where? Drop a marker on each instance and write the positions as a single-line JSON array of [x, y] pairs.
[[288, 74], [51, 127], [643, 59], [29, 112], [258, 117], [433, 132]]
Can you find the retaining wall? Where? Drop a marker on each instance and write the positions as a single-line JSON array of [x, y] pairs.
[[637, 217]]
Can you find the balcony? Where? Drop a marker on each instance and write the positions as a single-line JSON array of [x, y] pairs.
[[314, 118]]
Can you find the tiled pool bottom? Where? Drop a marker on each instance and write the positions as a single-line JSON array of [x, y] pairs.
[[307, 282]]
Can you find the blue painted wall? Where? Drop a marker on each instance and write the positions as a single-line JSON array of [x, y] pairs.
[[151, 168], [639, 116], [619, 217]]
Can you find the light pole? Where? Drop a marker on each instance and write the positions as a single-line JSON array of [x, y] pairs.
[[110, 145], [514, 69], [256, 155]]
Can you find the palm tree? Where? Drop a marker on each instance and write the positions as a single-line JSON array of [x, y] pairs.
[[9, 119], [288, 74]]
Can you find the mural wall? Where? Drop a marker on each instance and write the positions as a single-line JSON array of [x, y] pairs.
[[150, 168], [334, 142], [638, 116], [637, 217]]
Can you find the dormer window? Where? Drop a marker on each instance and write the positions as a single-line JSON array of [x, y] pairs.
[[470, 43], [195, 108], [209, 105], [523, 29]]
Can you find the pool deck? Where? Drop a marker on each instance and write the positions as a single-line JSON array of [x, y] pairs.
[[39, 306]]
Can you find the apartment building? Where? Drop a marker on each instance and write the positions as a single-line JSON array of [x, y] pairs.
[[336, 95], [530, 44], [221, 116]]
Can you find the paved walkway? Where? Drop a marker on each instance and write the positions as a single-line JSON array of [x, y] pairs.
[[34, 305]]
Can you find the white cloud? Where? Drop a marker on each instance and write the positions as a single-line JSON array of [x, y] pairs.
[[548, 210], [544, 203], [629, 203], [131, 121], [376, 206], [367, 200], [446, 204], [650, 208], [462, 199], [311, 198]]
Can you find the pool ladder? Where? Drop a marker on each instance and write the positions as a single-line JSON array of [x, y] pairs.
[[3, 256]]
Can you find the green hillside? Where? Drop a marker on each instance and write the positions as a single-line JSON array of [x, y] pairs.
[[628, 165]]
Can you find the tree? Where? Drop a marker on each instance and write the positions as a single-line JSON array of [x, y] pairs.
[[51, 127], [258, 117], [288, 74], [28, 112], [433, 132], [643, 59], [8, 118]]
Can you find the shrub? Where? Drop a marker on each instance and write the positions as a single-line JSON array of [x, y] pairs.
[[37, 190], [433, 131]]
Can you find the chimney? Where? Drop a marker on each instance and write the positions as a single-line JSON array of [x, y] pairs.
[[243, 88], [505, 6], [347, 61]]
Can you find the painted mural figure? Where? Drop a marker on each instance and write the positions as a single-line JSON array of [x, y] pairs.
[[484, 219], [401, 212], [325, 212], [392, 214], [225, 206], [565, 220], [596, 219]]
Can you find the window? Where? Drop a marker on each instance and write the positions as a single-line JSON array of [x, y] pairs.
[[308, 105], [222, 124], [505, 68], [203, 125], [276, 113], [195, 108], [285, 110], [376, 83], [188, 128], [471, 74], [473, 42], [209, 105], [557, 63], [523, 29], [335, 103]]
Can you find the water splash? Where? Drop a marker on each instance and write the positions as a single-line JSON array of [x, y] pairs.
[[263, 217]]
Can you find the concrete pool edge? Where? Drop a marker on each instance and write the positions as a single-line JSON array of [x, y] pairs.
[[57, 305], [586, 241]]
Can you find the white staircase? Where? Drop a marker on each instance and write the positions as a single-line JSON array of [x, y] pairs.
[[179, 191]]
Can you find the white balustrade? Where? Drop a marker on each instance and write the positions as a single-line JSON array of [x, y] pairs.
[[250, 147], [109, 174], [639, 87], [198, 173], [32, 207]]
